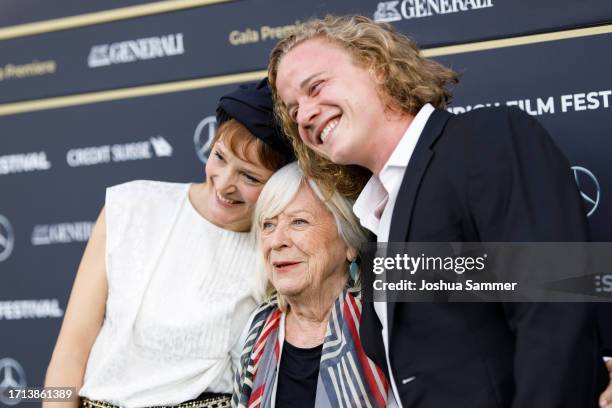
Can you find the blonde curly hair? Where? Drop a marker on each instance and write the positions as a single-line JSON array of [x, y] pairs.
[[405, 79]]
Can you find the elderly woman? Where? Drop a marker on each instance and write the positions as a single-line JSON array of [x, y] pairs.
[[303, 347]]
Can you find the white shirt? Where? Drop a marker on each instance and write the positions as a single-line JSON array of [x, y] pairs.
[[381, 192]]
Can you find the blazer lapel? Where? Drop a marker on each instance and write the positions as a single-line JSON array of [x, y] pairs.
[[370, 329], [404, 204]]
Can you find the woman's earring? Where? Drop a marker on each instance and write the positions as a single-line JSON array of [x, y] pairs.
[[354, 270]]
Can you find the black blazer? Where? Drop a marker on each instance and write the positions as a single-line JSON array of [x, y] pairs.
[[490, 175]]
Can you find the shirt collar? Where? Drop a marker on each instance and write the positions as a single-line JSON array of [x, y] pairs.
[[365, 205], [403, 151], [378, 187]]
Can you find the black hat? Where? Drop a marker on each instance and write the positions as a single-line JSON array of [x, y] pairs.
[[252, 105]]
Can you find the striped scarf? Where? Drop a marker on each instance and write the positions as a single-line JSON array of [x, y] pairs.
[[347, 377]]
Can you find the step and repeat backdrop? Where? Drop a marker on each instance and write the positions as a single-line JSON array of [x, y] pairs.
[[91, 97]]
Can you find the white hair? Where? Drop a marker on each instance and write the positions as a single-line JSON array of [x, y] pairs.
[[280, 190]]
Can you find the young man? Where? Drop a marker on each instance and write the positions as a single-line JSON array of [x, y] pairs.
[[354, 92]]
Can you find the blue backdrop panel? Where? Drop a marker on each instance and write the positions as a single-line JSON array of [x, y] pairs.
[[479, 18], [28, 11], [238, 36], [484, 20]]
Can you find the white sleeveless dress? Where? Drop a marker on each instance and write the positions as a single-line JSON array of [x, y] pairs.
[[180, 291]]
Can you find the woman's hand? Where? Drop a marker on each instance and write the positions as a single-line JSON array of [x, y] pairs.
[[83, 318], [605, 401]]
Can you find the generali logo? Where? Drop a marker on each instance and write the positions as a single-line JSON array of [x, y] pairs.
[[389, 11], [136, 50]]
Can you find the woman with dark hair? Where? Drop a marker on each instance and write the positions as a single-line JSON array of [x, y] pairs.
[[166, 285]]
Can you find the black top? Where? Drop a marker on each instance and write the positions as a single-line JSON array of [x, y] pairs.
[[297, 376]]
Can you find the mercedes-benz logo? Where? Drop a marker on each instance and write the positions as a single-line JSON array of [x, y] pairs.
[[589, 188], [203, 137], [7, 238], [12, 376]]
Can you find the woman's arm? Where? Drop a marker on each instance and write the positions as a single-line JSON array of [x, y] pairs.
[[83, 318]]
